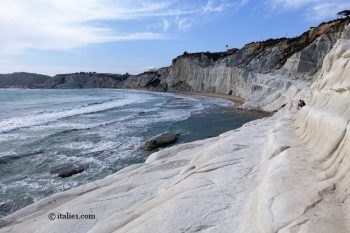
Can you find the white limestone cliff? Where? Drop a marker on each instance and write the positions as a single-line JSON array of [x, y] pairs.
[[289, 173], [305, 179]]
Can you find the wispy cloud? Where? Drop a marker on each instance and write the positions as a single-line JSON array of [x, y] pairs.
[[166, 25], [290, 4], [210, 8], [213, 6], [183, 23], [315, 9], [326, 10]]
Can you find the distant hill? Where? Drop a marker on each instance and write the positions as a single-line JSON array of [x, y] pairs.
[[23, 80], [86, 80], [71, 80]]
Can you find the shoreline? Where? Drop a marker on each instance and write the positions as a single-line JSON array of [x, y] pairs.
[[235, 99]]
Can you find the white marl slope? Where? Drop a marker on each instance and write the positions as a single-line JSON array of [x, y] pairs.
[[305, 168], [289, 173]]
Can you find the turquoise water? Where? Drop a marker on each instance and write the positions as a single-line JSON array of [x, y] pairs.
[[104, 128]]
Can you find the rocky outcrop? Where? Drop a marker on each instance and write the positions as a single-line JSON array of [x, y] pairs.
[[150, 80], [69, 170], [160, 140]]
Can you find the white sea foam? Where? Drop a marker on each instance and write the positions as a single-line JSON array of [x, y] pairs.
[[178, 114], [90, 147]]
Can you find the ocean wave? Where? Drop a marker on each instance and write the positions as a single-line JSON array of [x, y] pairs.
[[179, 114], [77, 126], [36, 119]]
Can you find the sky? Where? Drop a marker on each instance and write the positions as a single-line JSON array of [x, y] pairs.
[[119, 36]]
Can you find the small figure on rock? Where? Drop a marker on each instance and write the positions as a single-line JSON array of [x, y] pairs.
[[301, 103]]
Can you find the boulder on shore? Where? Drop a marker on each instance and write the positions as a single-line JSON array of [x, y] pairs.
[[160, 140], [69, 170]]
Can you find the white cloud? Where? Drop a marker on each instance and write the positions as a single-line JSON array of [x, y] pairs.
[[69, 24]]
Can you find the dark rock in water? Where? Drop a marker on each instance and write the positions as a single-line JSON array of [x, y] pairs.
[[5, 206], [160, 140], [2, 222], [69, 170]]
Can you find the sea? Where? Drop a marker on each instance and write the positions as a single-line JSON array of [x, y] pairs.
[[43, 129]]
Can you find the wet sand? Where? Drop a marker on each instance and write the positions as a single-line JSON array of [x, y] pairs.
[[235, 99]]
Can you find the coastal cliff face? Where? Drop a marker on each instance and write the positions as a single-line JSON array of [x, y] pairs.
[[267, 74]]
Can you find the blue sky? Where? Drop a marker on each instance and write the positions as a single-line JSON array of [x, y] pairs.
[[118, 36]]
